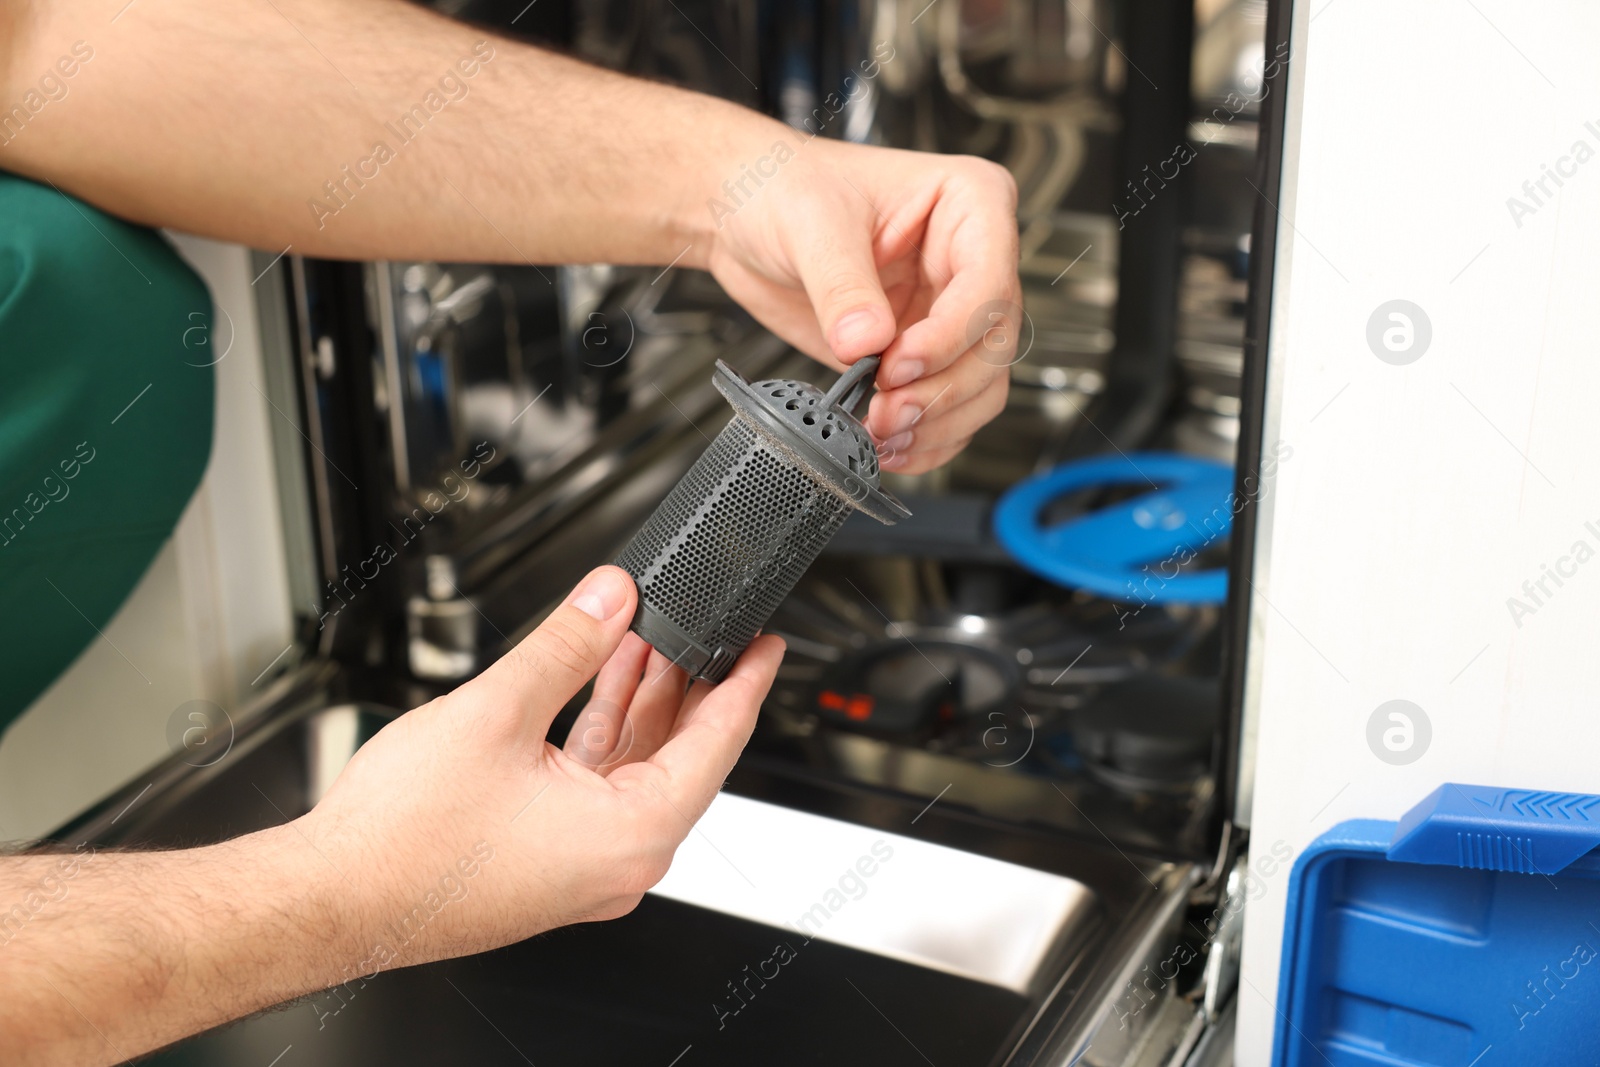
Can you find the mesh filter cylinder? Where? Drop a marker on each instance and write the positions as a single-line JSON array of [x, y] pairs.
[[740, 528]]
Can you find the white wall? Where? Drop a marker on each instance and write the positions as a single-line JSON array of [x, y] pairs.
[[209, 615], [1420, 497]]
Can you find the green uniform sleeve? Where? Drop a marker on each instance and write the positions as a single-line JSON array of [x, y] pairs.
[[106, 398]]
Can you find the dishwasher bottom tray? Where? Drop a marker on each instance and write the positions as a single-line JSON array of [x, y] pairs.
[[676, 984]]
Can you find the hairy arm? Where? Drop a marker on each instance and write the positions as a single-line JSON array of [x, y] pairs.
[[457, 829], [360, 129], [377, 129], [104, 955]]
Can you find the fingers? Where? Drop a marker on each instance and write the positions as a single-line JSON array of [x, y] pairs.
[[713, 728], [785, 311], [840, 274], [537, 677], [602, 725], [920, 462], [655, 709], [930, 399], [973, 234], [978, 310], [940, 428]]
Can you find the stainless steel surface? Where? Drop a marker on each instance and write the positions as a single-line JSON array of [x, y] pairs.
[[442, 637], [1229, 53], [322, 491], [1215, 1048], [281, 384], [893, 895], [393, 401], [1107, 1020], [677, 408], [332, 737], [169, 787], [1226, 932]]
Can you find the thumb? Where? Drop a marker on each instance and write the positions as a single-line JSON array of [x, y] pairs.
[[548, 667], [841, 279]]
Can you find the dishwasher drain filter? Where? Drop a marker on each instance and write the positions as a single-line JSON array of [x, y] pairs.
[[740, 528]]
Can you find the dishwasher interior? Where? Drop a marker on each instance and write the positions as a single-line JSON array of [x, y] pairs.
[[1057, 763]]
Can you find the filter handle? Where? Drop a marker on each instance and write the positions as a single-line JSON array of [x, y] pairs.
[[853, 385]]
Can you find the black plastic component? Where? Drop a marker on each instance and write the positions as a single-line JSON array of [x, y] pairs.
[[1152, 733], [740, 528], [1151, 207]]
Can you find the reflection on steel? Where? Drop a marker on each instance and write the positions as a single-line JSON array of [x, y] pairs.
[[878, 892]]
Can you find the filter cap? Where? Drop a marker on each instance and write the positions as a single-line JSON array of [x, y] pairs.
[[819, 430]]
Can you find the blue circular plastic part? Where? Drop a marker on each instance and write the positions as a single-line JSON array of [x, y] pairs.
[[1133, 550]]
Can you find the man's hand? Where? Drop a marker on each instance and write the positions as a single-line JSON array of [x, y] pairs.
[[524, 156], [852, 250], [458, 828], [577, 834]]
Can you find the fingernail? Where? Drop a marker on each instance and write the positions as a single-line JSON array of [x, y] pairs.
[[893, 463], [853, 327], [898, 443], [907, 418], [602, 594], [904, 372]]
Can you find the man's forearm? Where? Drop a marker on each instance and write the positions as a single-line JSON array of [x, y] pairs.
[[457, 829], [376, 130], [107, 955]]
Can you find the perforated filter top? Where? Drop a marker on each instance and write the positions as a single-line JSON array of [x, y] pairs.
[[740, 528]]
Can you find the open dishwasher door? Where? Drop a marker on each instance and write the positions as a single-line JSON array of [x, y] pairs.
[[779, 935]]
